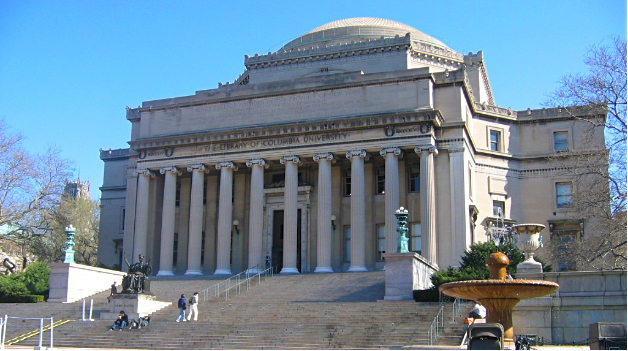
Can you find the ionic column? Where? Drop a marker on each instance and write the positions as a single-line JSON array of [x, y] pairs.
[[428, 202], [323, 249], [141, 212], [358, 211], [391, 187], [195, 239], [459, 212], [290, 214], [256, 214], [225, 216], [167, 220]]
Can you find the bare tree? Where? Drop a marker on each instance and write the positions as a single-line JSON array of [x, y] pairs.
[[598, 198], [30, 185]]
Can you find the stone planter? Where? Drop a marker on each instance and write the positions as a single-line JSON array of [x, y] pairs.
[[528, 239]]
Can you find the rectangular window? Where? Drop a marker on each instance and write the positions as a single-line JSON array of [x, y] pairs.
[[560, 141], [175, 248], [563, 194], [415, 237], [347, 183], [123, 219], [566, 260], [205, 192], [178, 195], [203, 248], [347, 238], [415, 182], [381, 180], [495, 140], [381, 241], [499, 209]]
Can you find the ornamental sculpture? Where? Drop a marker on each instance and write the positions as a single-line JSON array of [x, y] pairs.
[[402, 220], [136, 280]]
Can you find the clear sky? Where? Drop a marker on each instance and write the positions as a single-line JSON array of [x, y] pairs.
[[69, 68]]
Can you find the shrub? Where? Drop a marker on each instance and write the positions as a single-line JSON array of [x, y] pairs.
[[10, 286], [22, 299], [36, 278]]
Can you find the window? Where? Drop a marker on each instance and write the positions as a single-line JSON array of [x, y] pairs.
[[499, 209], [175, 247], [566, 261], [415, 237], [347, 237], [177, 200], [123, 218], [563, 194], [381, 180], [347, 183], [415, 182], [495, 140], [381, 241], [203, 248], [205, 192], [560, 141]]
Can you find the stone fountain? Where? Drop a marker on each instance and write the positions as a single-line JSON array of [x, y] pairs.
[[498, 294]]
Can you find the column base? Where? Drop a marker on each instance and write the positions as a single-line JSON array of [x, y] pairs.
[[193, 272], [357, 269], [222, 271], [165, 273], [254, 271], [323, 270], [286, 270]]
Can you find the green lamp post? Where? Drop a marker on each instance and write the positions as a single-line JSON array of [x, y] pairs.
[[402, 220], [69, 251]]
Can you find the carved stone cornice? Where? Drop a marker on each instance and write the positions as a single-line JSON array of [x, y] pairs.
[[226, 164], [390, 150], [324, 156], [171, 169], [257, 162], [357, 153]]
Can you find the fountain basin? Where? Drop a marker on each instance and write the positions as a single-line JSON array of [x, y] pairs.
[[498, 289]]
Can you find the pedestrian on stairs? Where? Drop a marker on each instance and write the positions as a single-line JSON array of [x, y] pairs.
[[193, 307], [182, 307]]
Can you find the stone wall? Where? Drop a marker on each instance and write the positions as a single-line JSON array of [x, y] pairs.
[[70, 282], [582, 299]]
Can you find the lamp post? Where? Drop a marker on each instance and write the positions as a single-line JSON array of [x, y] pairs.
[[69, 251], [402, 220]]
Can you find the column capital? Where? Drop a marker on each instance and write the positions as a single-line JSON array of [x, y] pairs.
[[197, 167], [357, 153], [227, 164], [324, 156], [390, 150], [426, 148], [257, 162], [144, 172], [171, 169], [292, 158]]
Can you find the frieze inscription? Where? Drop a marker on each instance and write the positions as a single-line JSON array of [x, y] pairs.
[[296, 140]]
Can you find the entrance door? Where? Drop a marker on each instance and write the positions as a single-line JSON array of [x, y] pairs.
[[277, 254]]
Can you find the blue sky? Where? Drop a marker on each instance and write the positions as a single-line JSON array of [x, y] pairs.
[[69, 68]]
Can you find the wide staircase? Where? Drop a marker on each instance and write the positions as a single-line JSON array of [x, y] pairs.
[[306, 311]]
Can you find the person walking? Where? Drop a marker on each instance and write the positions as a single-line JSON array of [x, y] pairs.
[[193, 307], [114, 290], [182, 307]]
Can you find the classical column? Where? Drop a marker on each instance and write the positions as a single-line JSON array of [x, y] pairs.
[[459, 212], [195, 238], [256, 214], [358, 211], [290, 214], [323, 240], [167, 220], [428, 202], [141, 213], [225, 209], [391, 188]]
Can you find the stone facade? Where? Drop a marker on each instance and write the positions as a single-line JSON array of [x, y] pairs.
[[349, 126]]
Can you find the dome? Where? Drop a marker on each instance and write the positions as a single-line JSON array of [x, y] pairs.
[[355, 29]]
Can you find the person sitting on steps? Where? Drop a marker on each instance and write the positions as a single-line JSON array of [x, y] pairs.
[[121, 322]]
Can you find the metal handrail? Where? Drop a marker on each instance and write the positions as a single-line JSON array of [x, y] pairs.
[[234, 283], [432, 333]]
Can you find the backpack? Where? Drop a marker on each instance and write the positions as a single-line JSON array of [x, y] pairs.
[[191, 300]]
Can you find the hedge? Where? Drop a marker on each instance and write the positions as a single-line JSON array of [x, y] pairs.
[[22, 299]]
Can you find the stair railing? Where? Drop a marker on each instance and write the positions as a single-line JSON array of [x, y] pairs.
[[235, 284], [438, 322]]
